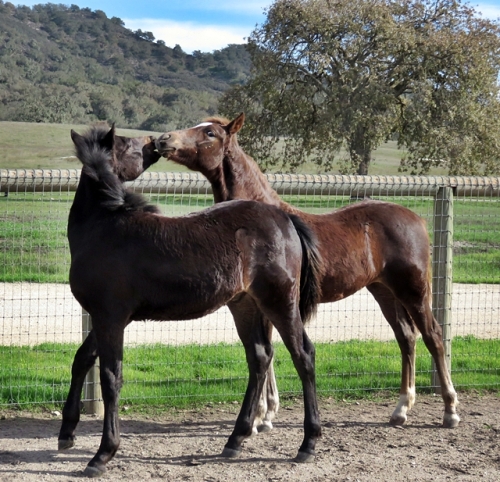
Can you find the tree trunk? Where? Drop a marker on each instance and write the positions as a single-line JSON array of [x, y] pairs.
[[364, 164], [360, 152]]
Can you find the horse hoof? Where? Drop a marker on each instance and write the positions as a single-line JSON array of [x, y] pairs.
[[265, 427], [397, 420], [93, 472], [65, 444], [231, 453], [451, 420], [304, 457]]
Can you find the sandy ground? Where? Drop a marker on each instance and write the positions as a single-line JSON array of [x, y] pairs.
[[33, 313], [357, 445]]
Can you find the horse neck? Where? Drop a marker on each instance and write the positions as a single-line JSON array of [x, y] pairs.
[[86, 201], [239, 177]]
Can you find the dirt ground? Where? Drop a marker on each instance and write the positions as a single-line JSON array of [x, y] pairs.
[[357, 445]]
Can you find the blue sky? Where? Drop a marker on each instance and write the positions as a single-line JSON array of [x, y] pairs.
[[197, 24]]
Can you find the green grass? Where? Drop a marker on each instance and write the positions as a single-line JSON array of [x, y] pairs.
[[48, 146], [33, 244], [190, 375], [33, 241]]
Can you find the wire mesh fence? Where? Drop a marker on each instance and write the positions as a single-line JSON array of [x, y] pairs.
[[41, 325]]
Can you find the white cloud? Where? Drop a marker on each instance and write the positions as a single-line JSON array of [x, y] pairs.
[[190, 35], [246, 7], [488, 11]]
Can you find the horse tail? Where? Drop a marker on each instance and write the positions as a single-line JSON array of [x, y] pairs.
[[310, 287]]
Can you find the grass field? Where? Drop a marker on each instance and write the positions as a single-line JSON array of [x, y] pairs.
[[193, 374], [33, 226], [49, 146], [34, 247]]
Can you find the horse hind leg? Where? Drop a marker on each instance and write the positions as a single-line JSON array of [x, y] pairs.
[[406, 336], [302, 351], [259, 353], [433, 339], [269, 400]]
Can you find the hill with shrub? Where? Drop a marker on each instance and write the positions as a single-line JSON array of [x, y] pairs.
[[66, 64]]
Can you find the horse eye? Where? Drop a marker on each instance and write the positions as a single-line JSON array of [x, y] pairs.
[[210, 134]]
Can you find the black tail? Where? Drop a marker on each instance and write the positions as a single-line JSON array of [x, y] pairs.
[[310, 289], [95, 151]]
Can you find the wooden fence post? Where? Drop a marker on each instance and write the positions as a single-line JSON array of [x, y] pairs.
[[92, 396], [442, 262]]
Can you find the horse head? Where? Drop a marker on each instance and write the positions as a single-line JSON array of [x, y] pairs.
[[203, 147], [131, 156]]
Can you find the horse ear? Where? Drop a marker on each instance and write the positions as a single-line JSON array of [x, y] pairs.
[[109, 139], [76, 138], [235, 125]]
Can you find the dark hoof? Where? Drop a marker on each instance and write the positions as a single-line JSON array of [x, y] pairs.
[[91, 471], [304, 457], [65, 444], [397, 421], [231, 453], [451, 420], [264, 428]]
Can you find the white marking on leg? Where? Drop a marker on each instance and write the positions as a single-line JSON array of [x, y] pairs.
[[406, 401], [450, 418]]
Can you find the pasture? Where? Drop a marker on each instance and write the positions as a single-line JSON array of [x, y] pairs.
[[48, 146], [34, 243]]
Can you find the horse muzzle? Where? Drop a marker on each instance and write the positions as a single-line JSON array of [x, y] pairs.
[[162, 145]]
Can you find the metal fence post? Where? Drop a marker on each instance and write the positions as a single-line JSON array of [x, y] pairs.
[[442, 263], [92, 396]]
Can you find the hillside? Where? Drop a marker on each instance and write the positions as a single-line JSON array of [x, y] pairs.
[[72, 65]]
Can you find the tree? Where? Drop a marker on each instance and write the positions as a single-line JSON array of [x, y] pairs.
[[333, 74]]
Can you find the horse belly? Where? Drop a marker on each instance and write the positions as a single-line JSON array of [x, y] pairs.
[[184, 299], [341, 280]]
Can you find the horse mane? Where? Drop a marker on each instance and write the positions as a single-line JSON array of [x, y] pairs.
[[97, 164]]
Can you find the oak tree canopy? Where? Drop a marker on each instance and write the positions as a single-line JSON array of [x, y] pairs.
[[332, 76]]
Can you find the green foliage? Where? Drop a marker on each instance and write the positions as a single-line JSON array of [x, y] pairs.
[[351, 74], [63, 64]]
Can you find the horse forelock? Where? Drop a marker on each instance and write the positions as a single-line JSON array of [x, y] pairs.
[[222, 121]]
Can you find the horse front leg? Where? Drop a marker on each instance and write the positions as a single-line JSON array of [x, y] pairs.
[[84, 360], [110, 348], [406, 335]]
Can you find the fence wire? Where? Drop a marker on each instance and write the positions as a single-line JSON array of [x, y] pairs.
[[202, 360]]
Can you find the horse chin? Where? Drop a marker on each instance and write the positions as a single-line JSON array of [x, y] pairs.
[[166, 152]]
